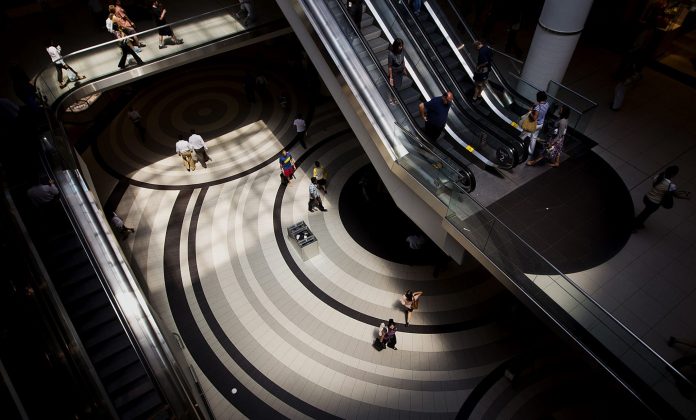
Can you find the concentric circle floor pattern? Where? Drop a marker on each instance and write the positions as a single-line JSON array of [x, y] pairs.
[[292, 337]]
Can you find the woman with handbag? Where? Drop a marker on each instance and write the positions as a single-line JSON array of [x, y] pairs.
[[552, 153], [387, 335], [662, 193], [410, 301]]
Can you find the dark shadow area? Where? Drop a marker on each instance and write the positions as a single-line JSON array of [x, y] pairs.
[[577, 216], [375, 222]]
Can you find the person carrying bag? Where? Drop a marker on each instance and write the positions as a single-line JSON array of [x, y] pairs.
[[662, 194]]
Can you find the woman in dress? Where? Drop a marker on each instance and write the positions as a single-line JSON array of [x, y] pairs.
[[410, 301], [158, 15], [396, 69]]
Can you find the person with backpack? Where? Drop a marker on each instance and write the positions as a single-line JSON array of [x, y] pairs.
[[662, 193]]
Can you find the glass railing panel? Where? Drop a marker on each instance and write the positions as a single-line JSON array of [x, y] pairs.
[[565, 302], [584, 105], [101, 60]]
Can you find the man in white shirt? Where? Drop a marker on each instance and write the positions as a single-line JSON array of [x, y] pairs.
[[314, 197], [53, 51], [45, 192], [301, 127], [185, 150], [199, 147]]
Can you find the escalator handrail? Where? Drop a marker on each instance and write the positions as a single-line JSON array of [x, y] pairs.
[[147, 321], [458, 110]]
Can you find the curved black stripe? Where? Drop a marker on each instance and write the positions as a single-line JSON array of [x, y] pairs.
[[245, 400], [484, 386], [162, 187], [488, 318]]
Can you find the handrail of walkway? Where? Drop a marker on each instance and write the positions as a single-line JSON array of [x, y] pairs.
[[103, 53], [612, 344]]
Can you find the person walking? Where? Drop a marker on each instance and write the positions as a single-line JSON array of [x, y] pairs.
[[118, 16], [185, 150], [314, 197], [555, 146], [199, 147], [434, 113], [53, 51], [396, 66], [662, 193], [126, 50], [159, 13], [322, 175], [355, 9], [287, 165], [136, 119], [387, 335], [301, 127], [409, 300], [483, 67]]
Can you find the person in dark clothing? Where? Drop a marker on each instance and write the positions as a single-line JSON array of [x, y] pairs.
[[662, 185], [355, 9], [388, 335], [434, 113], [483, 67], [126, 50], [158, 15]]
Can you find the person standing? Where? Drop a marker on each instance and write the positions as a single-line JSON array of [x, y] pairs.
[[355, 9], [409, 300], [434, 113], [121, 19], [396, 66], [555, 146], [199, 147], [159, 13], [301, 127], [287, 165], [314, 196], [120, 226], [136, 119], [483, 67], [538, 115], [126, 50], [662, 187], [53, 51], [387, 335], [321, 174], [184, 149]]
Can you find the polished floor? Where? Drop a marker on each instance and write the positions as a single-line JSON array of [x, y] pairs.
[[272, 334]]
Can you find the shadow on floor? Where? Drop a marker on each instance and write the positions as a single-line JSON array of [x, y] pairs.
[[577, 216], [375, 222]]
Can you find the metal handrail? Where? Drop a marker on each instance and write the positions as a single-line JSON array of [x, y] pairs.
[[147, 31]]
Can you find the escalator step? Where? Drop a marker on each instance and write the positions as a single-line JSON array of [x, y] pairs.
[[378, 44], [105, 332], [81, 289], [125, 357], [106, 353], [371, 32], [130, 394], [84, 307], [143, 407], [98, 318], [124, 377], [79, 274]]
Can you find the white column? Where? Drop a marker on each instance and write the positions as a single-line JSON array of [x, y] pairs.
[[557, 33]]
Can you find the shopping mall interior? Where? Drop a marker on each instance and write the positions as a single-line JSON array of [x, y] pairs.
[[141, 284]]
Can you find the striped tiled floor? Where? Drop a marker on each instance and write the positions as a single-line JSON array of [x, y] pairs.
[[269, 333]]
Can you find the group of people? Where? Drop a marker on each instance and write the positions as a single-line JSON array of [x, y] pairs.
[[122, 27], [192, 150], [386, 333], [318, 181]]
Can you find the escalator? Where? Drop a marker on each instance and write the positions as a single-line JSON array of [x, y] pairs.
[[131, 390], [425, 38]]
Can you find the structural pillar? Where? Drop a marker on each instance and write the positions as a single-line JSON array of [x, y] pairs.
[[557, 33]]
